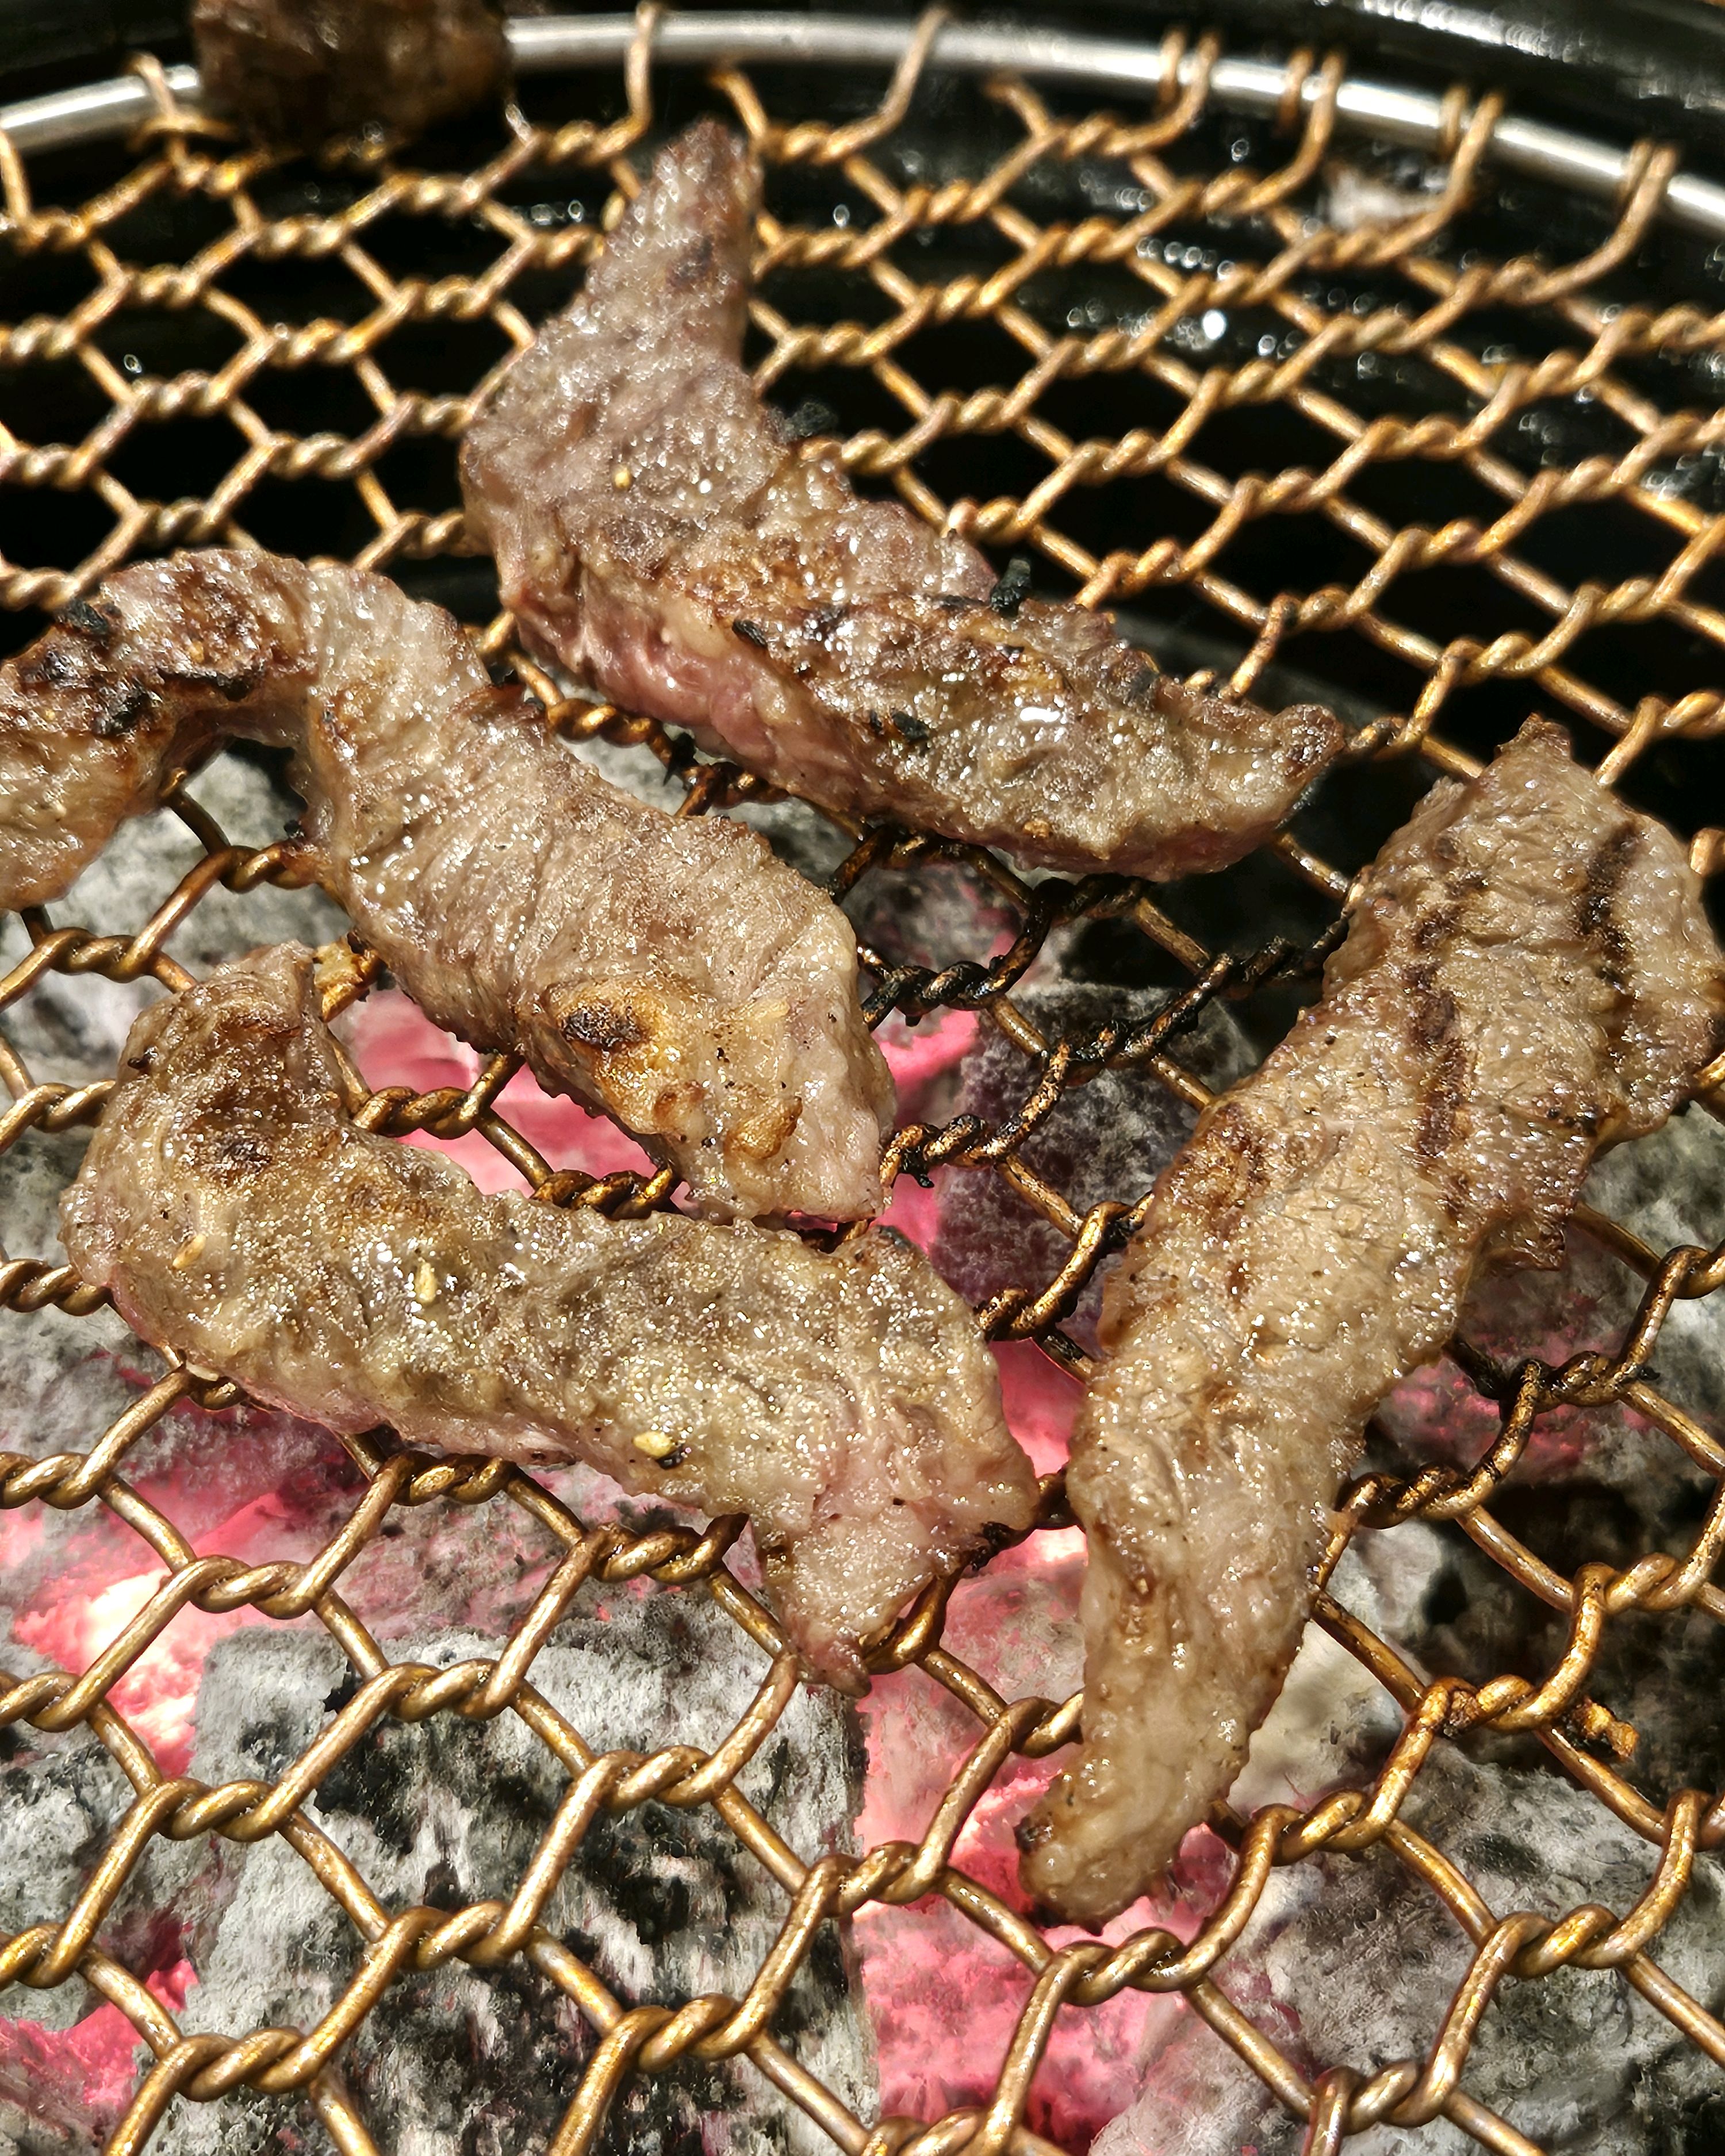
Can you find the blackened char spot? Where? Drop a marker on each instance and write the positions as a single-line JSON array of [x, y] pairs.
[[1431, 1010], [1142, 684], [236, 1154], [752, 632], [1430, 1029], [1010, 594], [123, 709], [1595, 910], [85, 619], [231, 688], [811, 417], [1239, 1138], [1434, 928], [53, 665], [603, 1025], [1441, 1110]]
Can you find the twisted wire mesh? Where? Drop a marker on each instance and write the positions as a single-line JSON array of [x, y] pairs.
[[1424, 290]]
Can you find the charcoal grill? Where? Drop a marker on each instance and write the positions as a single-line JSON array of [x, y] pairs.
[[1331, 373]]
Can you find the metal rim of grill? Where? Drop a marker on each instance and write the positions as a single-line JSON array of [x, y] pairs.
[[1585, 339]]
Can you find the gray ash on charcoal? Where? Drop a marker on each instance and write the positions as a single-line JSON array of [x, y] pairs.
[[1670, 1188], [60, 1797], [64, 1380], [663, 1903], [1595, 1483], [1352, 1960], [72, 1026], [1109, 1138], [932, 917]]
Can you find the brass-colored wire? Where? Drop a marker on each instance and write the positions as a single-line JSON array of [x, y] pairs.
[[1281, 249]]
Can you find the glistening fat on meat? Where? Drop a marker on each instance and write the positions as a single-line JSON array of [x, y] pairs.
[[1528, 975], [655, 531], [668, 971], [844, 1400]]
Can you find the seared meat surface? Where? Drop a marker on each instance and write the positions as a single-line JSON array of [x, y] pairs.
[[655, 531], [297, 71], [670, 971], [1529, 976], [844, 1400]]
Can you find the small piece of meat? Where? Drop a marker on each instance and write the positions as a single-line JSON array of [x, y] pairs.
[[844, 1400], [297, 71], [1529, 976], [670, 971], [655, 530]]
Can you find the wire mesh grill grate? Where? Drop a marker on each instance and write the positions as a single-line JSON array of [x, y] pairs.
[[1349, 326]]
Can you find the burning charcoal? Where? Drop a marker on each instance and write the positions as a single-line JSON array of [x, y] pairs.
[[1354, 1961], [931, 916], [38, 2120], [1333, 1721], [945, 1999], [1670, 1190], [1108, 1139], [64, 1379], [71, 1027], [662, 1903], [59, 1383], [1593, 1483], [59, 1797]]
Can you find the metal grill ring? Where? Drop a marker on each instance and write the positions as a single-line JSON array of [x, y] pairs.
[[1212, 273]]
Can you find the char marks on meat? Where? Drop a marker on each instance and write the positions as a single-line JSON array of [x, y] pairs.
[[297, 71], [844, 1400], [669, 972], [1528, 975], [655, 530]]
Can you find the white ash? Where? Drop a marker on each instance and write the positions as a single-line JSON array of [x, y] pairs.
[[1110, 1138], [71, 1027], [60, 1799], [1332, 1713], [663, 1904], [63, 1379], [1352, 1961], [1595, 1483], [933, 916], [1670, 1190]]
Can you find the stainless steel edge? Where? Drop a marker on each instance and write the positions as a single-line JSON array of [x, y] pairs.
[[91, 113], [101, 110]]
